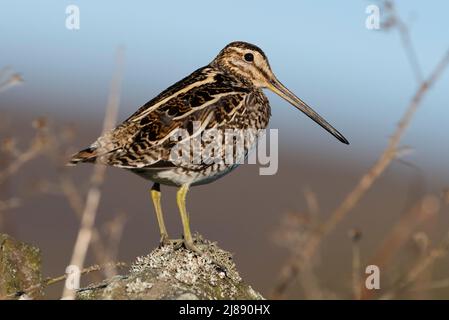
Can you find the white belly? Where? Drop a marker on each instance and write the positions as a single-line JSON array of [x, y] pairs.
[[179, 176]]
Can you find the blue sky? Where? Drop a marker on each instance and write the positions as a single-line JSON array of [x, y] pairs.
[[358, 79]]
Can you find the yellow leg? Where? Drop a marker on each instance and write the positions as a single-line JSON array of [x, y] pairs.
[[188, 240], [156, 197], [181, 200]]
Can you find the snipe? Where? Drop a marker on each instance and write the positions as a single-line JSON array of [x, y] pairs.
[[225, 94]]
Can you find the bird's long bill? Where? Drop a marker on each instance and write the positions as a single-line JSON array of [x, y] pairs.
[[277, 87]]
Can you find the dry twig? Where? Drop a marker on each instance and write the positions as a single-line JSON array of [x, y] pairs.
[[94, 194], [291, 270], [425, 263], [50, 281]]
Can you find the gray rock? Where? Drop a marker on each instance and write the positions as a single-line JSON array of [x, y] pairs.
[[176, 273], [20, 268]]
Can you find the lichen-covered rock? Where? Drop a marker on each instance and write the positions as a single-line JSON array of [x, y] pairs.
[[20, 267], [176, 273]]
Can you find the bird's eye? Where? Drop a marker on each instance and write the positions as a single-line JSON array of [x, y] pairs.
[[249, 57]]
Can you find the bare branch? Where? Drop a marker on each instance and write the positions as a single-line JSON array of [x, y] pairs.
[[406, 41], [50, 281], [366, 181], [93, 196], [12, 79], [426, 208], [438, 252]]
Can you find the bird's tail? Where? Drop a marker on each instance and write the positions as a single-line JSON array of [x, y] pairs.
[[87, 155]]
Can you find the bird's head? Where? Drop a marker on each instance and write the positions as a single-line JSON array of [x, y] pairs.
[[249, 62]]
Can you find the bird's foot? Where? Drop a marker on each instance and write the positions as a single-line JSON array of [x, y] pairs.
[[190, 245], [165, 241]]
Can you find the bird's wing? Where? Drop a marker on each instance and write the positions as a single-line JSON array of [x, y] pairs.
[[204, 100]]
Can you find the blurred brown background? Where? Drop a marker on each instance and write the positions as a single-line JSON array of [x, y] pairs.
[[360, 80]]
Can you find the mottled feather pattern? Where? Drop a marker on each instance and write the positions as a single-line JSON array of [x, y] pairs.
[[211, 96], [225, 95]]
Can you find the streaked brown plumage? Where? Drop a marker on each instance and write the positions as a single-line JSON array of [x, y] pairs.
[[225, 94]]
